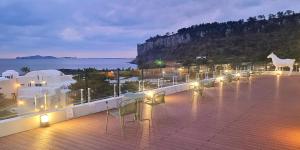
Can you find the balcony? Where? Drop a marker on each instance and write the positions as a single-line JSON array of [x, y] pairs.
[[262, 113]]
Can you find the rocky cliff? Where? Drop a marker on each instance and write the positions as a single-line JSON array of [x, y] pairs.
[[232, 41]]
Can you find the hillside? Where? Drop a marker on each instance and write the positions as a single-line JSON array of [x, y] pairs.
[[232, 41]]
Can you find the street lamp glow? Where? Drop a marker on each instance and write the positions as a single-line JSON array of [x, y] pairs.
[[20, 103], [195, 84], [17, 85], [238, 75], [180, 69], [220, 79], [278, 73], [150, 94]]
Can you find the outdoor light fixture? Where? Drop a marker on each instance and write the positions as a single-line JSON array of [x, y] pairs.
[[278, 73], [220, 79], [150, 94], [195, 84], [180, 69], [20, 103], [44, 120], [238, 75], [18, 85]]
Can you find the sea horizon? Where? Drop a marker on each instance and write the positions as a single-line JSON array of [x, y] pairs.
[[65, 63]]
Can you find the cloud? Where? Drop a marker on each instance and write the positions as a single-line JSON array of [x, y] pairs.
[[70, 34], [111, 27]]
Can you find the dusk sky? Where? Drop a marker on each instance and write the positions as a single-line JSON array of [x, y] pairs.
[[111, 28]]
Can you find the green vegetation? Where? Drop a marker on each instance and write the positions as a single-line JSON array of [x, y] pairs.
[[93, 79], [229, 42], [97, 81], [25, 69], [5, 105]]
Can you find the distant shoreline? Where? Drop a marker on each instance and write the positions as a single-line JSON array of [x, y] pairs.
[[65, 58]]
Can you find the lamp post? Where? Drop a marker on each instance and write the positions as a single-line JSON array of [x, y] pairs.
[[142, 78]]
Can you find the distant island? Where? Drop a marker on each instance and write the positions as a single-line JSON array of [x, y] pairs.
[[44, 57]]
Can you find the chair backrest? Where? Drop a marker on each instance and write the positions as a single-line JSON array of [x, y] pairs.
[[127, 106], [130, 108], [208, 83]]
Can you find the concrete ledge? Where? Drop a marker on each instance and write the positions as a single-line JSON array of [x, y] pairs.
[[28, 122], [282, 73]]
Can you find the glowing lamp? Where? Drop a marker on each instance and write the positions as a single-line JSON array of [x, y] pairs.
[[195, 84], [238, 75], [278, 73], [150, 94], [44, 120], [18, 85], [20, 103], [220, 79], [226, 71]]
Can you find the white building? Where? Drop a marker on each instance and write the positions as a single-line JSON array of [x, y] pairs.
[[43, 88]]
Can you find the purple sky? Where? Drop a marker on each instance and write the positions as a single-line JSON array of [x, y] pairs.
[[111, 28]]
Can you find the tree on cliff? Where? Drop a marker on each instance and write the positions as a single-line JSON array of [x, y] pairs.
[[232, 41]]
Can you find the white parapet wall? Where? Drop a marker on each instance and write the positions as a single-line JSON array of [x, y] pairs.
[[28, 122], [280, 73]]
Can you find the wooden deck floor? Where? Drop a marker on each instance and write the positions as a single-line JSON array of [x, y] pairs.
[[262, 114]]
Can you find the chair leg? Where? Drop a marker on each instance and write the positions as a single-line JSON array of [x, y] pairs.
[[122, 125], [151, 113]]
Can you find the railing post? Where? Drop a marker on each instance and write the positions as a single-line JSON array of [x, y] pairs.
[[140, 88], [89, 94], [115, 92], [81, 96], [158, 83], [35, 103], [45, 101], [173, 80], [143, 85], [197, 76], [120, 89], [186, 78]]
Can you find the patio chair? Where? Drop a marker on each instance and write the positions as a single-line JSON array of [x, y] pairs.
[[246, 75], [125, 107], [154, 100], [207, 83], [198, 88]]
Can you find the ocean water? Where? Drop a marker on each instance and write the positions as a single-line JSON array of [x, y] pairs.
[[63, 63]]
